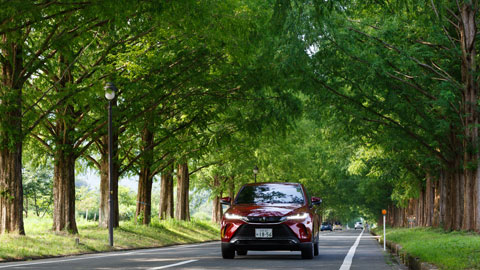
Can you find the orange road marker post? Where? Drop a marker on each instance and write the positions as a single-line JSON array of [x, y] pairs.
[[384, 213]]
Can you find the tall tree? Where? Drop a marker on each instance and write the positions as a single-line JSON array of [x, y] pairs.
[[30, 37]]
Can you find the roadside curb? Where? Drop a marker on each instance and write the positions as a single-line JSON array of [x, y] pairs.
[[410, 261]]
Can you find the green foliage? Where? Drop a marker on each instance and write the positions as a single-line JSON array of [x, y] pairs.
[[38, 189], [381, 79], [87, 200], [127, 201]]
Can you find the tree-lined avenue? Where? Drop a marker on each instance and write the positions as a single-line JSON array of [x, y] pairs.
[[333, 250]]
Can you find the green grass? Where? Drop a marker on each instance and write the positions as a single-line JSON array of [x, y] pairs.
[[447, 250], [40, 241]]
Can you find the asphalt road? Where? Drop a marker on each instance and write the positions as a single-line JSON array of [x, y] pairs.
[[340, 250]]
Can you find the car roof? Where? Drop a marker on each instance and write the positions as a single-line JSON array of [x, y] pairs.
[[274, 183]]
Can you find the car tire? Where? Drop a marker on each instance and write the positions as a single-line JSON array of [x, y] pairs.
[[228, 253], [242, 252], [315, 249], [307, 252]]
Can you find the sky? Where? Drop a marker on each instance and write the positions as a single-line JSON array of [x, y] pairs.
[[92, 178]]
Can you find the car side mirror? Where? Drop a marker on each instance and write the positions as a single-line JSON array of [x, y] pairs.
[[226, 201], [316, 201]]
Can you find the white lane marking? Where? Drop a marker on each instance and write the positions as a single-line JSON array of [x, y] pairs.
[[87, 257], [347, 262], [172, 265]]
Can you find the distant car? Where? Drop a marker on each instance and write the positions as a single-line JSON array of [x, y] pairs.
[[359, 225], [270, 216], [337, 226], [326, 227]]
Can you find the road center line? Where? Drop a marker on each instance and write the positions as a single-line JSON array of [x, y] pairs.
[[172, 265], [347, 262]]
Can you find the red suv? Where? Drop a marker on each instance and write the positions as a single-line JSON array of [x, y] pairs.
[[270, 216]]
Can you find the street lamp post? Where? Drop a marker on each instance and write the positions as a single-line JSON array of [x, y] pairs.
[[110, 90], [255, 171]]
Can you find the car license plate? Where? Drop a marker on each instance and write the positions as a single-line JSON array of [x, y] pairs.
[[263, 233]]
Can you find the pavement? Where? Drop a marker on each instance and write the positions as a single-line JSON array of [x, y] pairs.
[[339, 250]]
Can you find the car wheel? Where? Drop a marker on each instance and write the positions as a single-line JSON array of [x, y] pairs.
[[228, 253], [307, 252], [242, 252]]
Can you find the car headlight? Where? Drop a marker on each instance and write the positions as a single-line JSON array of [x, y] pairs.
[[233, 216], [297, 216]]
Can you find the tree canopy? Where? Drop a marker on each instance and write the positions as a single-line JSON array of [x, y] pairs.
[[370, 104]]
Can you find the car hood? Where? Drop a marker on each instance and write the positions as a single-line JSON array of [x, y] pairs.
[[264, 210]]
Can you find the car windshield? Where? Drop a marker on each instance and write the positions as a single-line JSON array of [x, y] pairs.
[[270, 194]]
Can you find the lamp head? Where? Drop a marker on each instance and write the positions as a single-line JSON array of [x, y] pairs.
[[110, 90]]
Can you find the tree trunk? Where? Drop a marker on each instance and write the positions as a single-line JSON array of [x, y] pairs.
[[166, 194], [459, 191], [468, 202], [477, 202], [429, 193], [399, 216], [64, 192], [170, 205], [411, 211], [421, 210], [436, 203], [64, 178], [450, 200], [183, 180], [103, 210], [144, 197], [11, 189], [232, 188], [217, 207], [145, 181], [468, 33], [443, 199]]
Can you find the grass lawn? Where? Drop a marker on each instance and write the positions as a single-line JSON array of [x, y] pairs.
[[447, 250], [40, 241]]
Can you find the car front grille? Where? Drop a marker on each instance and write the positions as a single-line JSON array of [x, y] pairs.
[[263, 219], [247, 231]]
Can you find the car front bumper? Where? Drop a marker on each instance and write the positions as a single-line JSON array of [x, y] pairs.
[[283, 239], [266, 245]]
